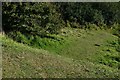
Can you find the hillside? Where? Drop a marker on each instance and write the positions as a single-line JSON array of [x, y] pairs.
[[84, 54]]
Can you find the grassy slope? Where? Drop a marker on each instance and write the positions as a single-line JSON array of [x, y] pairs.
[[95, 46], [85, 44], [75, 61]]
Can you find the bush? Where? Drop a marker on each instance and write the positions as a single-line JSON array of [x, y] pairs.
[[31, 18], [116, 29], [94, 13], [19, 37]]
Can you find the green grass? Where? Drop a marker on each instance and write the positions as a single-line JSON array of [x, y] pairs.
[[78, 53], [86, 45]]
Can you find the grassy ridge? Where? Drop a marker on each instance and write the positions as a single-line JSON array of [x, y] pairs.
[[78, 57]]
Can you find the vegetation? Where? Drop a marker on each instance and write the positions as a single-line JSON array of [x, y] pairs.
[[56, 40], [42, 18], [31, 18], [22, 61]]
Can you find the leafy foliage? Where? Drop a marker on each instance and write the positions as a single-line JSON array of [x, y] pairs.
[[31, 18], [41, 19]]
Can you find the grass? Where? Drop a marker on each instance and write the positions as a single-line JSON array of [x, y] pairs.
[[85, 45], [78, 53]]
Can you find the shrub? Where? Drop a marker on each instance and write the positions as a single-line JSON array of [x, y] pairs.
[[19, 37], [94, 13], [31, 18], [116, 29]]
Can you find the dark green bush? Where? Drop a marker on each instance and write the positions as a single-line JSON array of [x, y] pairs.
[[109, 11], [94, 13], [31, 18]]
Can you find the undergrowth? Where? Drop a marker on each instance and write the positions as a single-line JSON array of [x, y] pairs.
[[50, 42]]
